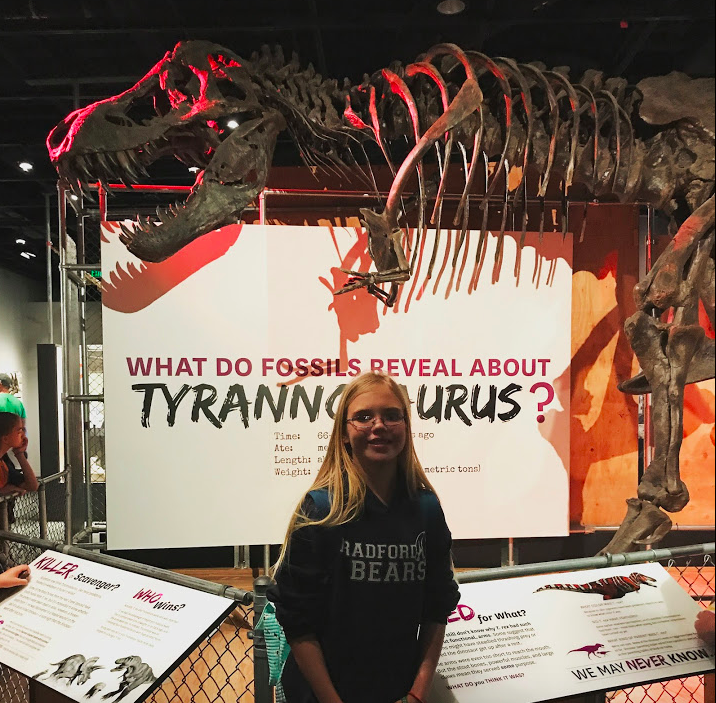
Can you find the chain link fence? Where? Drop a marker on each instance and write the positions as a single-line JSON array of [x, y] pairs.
[[93, 374], [696, 577], [219, 670], [40, 514], [693, 569]]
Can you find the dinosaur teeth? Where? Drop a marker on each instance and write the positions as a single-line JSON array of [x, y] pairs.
[[76, 188], [81, 166], [164, 216], [127, 234], [104, 163], [125, 165]]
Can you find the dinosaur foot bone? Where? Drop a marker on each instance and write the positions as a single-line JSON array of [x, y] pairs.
[[644, 523]]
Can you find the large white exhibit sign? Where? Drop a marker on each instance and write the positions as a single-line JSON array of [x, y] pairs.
[[224, 363], [544, 637], [90, 630]]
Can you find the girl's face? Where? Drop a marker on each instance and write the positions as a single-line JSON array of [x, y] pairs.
[[375, 428], [15, 437]]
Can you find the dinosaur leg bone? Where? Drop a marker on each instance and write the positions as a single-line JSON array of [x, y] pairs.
[[644, 523], [648, 338]]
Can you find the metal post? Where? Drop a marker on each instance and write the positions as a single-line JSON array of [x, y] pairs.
[[509, 553], [68, 507], [644, 441], [102, 197], [48, 268], [5, 526], [73, 459], [648, 438], [84, 377], [262, 207], [241, 560], [263, 693], [42, 508]]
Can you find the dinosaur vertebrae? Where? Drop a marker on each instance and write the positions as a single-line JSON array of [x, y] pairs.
[[581, 131]]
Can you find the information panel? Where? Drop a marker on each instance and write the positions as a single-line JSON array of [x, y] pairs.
[[543, 637], [83, 628], [223, 366]]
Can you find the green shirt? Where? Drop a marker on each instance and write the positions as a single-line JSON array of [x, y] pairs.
[[10, 404]]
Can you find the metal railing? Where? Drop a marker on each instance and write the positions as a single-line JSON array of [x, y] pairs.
[[232, 664], [697, 579], [220, 669], [42, 514]]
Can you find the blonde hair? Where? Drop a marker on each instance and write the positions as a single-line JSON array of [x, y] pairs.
[[340, 474]]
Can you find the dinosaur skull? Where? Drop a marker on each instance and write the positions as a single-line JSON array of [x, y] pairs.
[[175, 110]]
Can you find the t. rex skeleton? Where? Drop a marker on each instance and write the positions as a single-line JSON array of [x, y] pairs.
[[651, 143]]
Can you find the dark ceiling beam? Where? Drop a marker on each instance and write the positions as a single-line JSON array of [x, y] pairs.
[[632, 46], [388, 21], [320, 53], [81, 80]]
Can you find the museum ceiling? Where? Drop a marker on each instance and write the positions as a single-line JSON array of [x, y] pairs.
[[57, 55]]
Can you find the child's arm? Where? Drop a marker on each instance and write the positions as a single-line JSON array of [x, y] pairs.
[[430, 645], [309, 656], [29, 479]]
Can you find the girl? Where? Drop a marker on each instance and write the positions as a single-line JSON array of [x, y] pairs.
[[364, 580], [12, 436]]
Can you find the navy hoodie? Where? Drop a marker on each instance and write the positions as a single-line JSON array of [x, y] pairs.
[[362, 589]]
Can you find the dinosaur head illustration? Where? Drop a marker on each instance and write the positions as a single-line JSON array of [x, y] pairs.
[[176, 110], [643, 579]]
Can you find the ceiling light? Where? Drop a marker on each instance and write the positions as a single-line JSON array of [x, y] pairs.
[[27, 255], [73, 197], [25, 166], [19, 241], [193, 169], [232, 124], [450, 7]]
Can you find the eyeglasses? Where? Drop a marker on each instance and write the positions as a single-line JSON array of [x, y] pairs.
[[365, 421]]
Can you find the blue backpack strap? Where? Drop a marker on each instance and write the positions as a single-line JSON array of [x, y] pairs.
[[322, 500], [429, 505]]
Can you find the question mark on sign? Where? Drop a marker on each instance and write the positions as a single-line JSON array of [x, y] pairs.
[[542, 403]]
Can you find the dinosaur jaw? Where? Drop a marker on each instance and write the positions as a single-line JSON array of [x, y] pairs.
[[209, 206], [192, 145]]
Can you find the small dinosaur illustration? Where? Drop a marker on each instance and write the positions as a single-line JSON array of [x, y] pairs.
[[611, 588], [591, 650]]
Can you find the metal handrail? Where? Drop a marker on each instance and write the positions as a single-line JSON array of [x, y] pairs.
[[546, 567], [217, 589], [54, 477]]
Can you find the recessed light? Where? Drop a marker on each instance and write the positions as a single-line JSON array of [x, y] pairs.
[[25, 166], [450, 7], [19, 241], [193, 169], [232, 124], [73, 197], [27, 255]]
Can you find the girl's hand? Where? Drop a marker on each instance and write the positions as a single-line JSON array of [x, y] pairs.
[[16, 576]]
